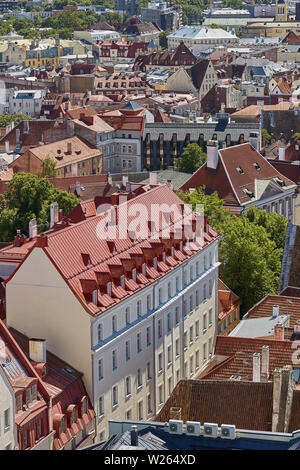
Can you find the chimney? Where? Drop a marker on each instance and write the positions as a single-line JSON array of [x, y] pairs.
[[279, 332], [152, 178], [77, 188], [109, 179], [37, 350], [60, 215], [41, 241], [256, 367], [265, 363], [32, 228], [283, 387], [54, 211], [124, 180], [169, 183], [7, 146], [275, 311], [281, 153], [212, 154], [69, 147], [17, 137], [134, 436]]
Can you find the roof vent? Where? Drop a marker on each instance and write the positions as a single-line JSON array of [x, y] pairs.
[[256, 166], [240, 170]]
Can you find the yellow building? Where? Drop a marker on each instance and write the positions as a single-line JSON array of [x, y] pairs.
[[281, 11], [41, 53]]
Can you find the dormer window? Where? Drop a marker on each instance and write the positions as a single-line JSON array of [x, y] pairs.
[[86, 259], [256, 166], [144, 269], [34, 392], [279, 181], [62, 426], [155, 262], [240, 170], [109, 288]]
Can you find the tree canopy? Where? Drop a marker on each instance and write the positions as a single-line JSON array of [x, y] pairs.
[[251, 248], [29, 197], [192, 158], [7, 119]]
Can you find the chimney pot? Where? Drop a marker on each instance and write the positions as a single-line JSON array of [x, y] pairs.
[[256, 367], [279, 332], [265, 363], [134, 436]]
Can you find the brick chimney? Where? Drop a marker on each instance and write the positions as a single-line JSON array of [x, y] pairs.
[[41, 241], [256, 367], [283, 387], [279, 332], [265, 363]]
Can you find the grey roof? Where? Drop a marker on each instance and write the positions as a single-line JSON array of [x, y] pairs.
[[177, 177], [208, 129], [257, 327]]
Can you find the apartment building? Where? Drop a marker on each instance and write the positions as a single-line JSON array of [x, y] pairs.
[[133, 315]]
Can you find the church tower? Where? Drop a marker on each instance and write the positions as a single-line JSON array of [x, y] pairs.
[[281, 11]]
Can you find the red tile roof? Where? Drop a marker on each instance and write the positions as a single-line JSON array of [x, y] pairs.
[[228, 181], [227, 299], [222, 402], [65, 247], [287, 306], [239, 352], [66, 387]]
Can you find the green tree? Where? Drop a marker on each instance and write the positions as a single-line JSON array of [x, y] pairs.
[[29, 197], [163, 41], [213, 207], [192, 158], [275, 224], [265, 136], [48, 168], [7, 119], [250, 261]]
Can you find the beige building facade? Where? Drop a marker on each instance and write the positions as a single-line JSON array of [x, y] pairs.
[[134, 353], [8, 432]]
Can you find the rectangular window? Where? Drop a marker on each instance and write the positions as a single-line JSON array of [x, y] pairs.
[[128, 414], [185, 340], [148, 303], [169, 354], [138, 342], [204, 352], [191, 365], [115, 395], [127, 386], [160, 362], [191, 334], [169, 290], [6, 418], [127, 315], [204, 322], [34, 392], [149, 407], [160, 394], [210, 317], [100, 369], [191, 303], [159, 324], [204, 292], [28, 396], [140, 410], [169, 322], [197, 360], [149, 375], [177, 315], [101, 406], [177, 284], [148, 334], [169, 385], [139, 308], [197, 329], [197, 298], [139, 378], [127, 350], [177, 347], [235, 315], [114, 359]]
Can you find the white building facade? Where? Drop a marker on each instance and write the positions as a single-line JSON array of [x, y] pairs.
[[8, 433]]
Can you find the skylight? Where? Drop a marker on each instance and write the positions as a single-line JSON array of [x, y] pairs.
[[240, 170], [256, 166]]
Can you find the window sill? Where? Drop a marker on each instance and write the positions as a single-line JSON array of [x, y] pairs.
[[100, 417], [139, 388], [115, 406], [127, 397]]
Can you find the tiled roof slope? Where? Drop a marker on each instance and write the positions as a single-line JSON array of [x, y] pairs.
[[240, 356], [246, 405], [88, 263], [226, 299], [287, 306], [197, 72], [65, 388], [227, 180]]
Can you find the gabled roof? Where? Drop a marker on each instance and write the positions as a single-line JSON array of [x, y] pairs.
[[67, 247], [239, 352], [291, 38], [242, 175], [227, 299], [197, 72]]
